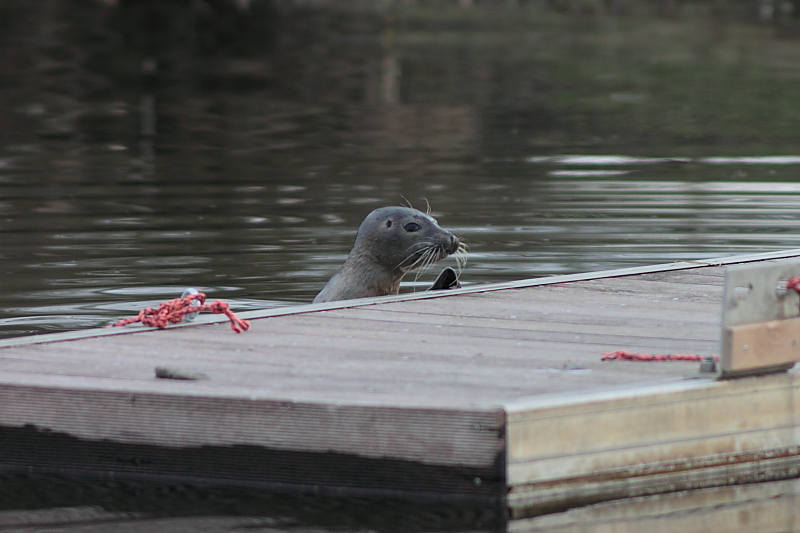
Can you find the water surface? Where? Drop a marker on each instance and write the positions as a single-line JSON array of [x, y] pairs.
[[237, 153]]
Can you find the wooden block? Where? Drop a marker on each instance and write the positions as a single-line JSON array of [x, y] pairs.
[[764, 345]]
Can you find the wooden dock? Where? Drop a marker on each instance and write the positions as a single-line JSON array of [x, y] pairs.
[[492, 394]]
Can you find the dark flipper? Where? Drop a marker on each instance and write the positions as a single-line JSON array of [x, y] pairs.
[[448, 279]]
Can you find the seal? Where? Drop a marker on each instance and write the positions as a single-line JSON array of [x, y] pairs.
[[390, 243]]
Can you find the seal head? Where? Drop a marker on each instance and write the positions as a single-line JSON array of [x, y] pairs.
[[391, 242]]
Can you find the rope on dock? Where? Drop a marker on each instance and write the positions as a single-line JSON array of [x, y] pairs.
[[625, 355], [793, 284], [173, 311]]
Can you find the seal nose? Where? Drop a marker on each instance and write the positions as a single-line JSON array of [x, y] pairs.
[[453, 246]]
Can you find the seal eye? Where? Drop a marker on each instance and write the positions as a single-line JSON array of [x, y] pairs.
[[411, 227], [388, 223]]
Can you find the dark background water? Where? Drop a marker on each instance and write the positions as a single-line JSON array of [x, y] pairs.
[[235, 147]]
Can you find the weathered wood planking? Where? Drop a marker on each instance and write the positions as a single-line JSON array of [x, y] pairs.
[[495, 392], [675, 436], [188, 420], [740, 509]]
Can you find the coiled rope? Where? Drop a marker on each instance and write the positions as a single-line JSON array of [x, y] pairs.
[[175, 310]]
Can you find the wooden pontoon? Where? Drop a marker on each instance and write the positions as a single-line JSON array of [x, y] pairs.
[[494, 394]]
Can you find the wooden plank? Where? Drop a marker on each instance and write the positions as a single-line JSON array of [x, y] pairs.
[[421, 395], [378, 348], [754, 346], [594, 294], [484, 327], [189, 420], [483, 378], [634, 417], [739, 509], [538, 304], [652, 289], [681, 427], [711, 276]]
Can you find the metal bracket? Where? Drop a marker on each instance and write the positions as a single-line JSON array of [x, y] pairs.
[[760, 319]]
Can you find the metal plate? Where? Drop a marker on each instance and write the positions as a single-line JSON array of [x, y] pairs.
[[757, 293], [760, 324]]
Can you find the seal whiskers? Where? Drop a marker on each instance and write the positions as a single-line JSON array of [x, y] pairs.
[[460, 257], [426, 254], [425, 261], [426, 249]]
